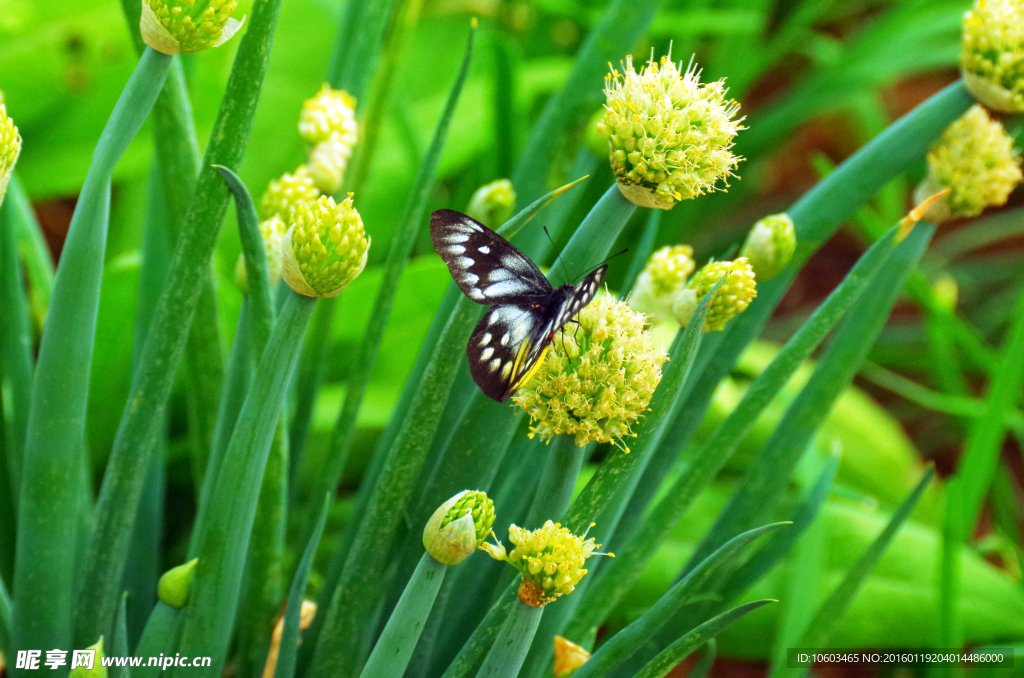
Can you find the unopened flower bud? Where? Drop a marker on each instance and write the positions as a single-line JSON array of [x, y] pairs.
[[493, 203], [285, 194], [663, 278], [331, 113], [458, 527], [307, 613], [670, 136], [175, 586], [596, 379], [732, 297], [187, 26], [770, 245], [97, 669], [568, 657], [992, 54], [10, 147], [327, 163], [550, 560], [325, 248], [975, 159]]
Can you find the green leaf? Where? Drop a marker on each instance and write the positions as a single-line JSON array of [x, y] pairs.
[[44, 577], [699, 581], [35, 253], [296, 594], [510, 647], [671, 656], [160, 637], [222, 546], [119, 648], [165, 342]]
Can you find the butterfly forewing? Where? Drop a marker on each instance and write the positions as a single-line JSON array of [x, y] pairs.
[[486, 267]]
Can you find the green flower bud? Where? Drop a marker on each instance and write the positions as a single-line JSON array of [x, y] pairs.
[[992, 55], [10, 147], [569, 657], [732, 297], [458, 527], [327, 164], [175, 586], [493, 203], [285, 194], [663, 278], [94, 670], [596, 379], [550, 560], [325, 248], [331, 113], [187, 26], [670, 136], [975, 159], [770, 245]]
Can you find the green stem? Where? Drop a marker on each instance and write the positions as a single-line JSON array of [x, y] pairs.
[[397, 641], [160, 637], [165, 343], [557, 481], [44, 576], [35, 253], [232, 511], [510, 647]]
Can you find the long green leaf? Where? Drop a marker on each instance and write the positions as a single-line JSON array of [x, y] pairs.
[[5, 621], [509, 650], [35, 253], [165, 343], [160, 637], [44, 578], [223, 544], [671, 656], [698, 581], [119, 646], [290, 633]]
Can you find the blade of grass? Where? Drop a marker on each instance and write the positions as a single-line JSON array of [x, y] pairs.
[[35, 253], [951, 632], [985, 436], [410, 224], [671, 656], [16, 359], [697, 582], [208, 622], [618, 576], [160, 637], [165, 342], [119, 646], [707, 660], [290, 633], [5, 622], [510, 647], [44, 577]]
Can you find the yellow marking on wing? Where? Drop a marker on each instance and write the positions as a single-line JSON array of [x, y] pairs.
[[533, 369]]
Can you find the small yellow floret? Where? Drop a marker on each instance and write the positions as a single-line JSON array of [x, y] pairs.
[[663, 278], [992, 55], [733, 297]]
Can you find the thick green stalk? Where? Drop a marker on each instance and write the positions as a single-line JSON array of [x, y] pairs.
[[151, 385], [16, 359], [5, 622], [674, 654], [160, 637], [510, 647], [35, 253], [401, 246], [557, 481], [397, 641], [44, 579], [296, 594], [358, 44], [223, 545]]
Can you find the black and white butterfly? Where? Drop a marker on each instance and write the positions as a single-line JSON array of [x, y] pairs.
[[526, 312]]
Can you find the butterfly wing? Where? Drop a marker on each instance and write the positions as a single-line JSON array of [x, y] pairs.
[[578, 299], [486, 267], [503, 348]]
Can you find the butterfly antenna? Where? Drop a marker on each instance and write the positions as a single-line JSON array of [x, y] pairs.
[[557, 254], [607, 259]]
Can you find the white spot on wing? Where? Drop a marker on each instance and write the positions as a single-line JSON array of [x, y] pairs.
[[496, 363], [463, 262], [506, 370], [505, 287], [486, 354], [485, 339], [455, 237], [484, 249], [457, 249]]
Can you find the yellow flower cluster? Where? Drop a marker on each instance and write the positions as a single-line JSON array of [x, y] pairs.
[[187, 26], [663, 278], [550, 559], [975, 159], [770, 245], [670, 136], [992, 56], [732, 297], [10, 147], [328, 124], [325, 248], [285, 194], [596, 379]]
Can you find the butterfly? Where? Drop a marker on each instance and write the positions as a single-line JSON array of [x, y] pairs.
[[509, 342]]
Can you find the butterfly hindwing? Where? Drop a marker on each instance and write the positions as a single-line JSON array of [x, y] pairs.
[[501, 343], [486, 267]]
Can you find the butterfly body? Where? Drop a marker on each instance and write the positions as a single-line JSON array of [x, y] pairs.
[[526, 311]]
